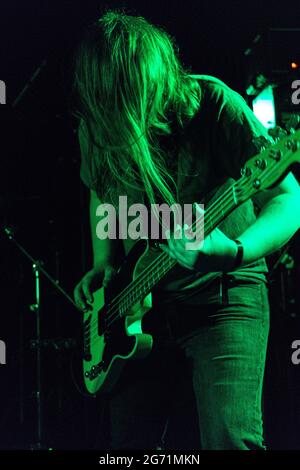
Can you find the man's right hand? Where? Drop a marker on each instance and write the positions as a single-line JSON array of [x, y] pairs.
[[91, 281]]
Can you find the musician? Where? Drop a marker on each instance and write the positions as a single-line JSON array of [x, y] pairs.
[[151, 131]]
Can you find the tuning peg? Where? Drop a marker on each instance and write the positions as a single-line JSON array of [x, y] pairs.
[[292, 145]]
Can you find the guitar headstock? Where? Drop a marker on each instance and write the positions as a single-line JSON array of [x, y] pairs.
[[266, 169]]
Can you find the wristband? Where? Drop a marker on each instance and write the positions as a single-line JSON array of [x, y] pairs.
[[239, 255]]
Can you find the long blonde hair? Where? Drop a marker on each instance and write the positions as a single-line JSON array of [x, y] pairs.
[[129, 83]]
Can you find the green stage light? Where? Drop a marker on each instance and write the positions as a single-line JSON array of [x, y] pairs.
[[264, 107]]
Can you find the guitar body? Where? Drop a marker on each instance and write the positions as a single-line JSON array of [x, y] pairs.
[[108, 347]]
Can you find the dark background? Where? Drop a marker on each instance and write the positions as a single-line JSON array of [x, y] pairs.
[[42, 196]]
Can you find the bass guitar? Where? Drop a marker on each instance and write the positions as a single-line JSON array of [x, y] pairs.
[[113, 330]]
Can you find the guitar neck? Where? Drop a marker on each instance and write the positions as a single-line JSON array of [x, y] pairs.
[[162, 265], [212, 219]]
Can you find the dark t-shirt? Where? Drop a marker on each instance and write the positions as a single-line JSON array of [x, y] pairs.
[[207, 154]]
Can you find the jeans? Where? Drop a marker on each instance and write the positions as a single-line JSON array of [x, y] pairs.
[[208, 358]]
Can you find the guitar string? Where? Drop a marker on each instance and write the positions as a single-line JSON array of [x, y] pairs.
[[135, 284], [160, 259], [136, 281], [165, 262], [267, 174], [167, 259], [211, 208]]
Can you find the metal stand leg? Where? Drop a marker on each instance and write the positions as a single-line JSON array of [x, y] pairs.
[[36, 309]]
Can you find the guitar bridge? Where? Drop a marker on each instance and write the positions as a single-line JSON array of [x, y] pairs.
[[93, 373]]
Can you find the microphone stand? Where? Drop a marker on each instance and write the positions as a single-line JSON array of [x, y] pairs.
[[36, 309], [37, 266]]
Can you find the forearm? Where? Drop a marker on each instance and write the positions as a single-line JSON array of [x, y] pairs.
[[276, 224], [103, 250]]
